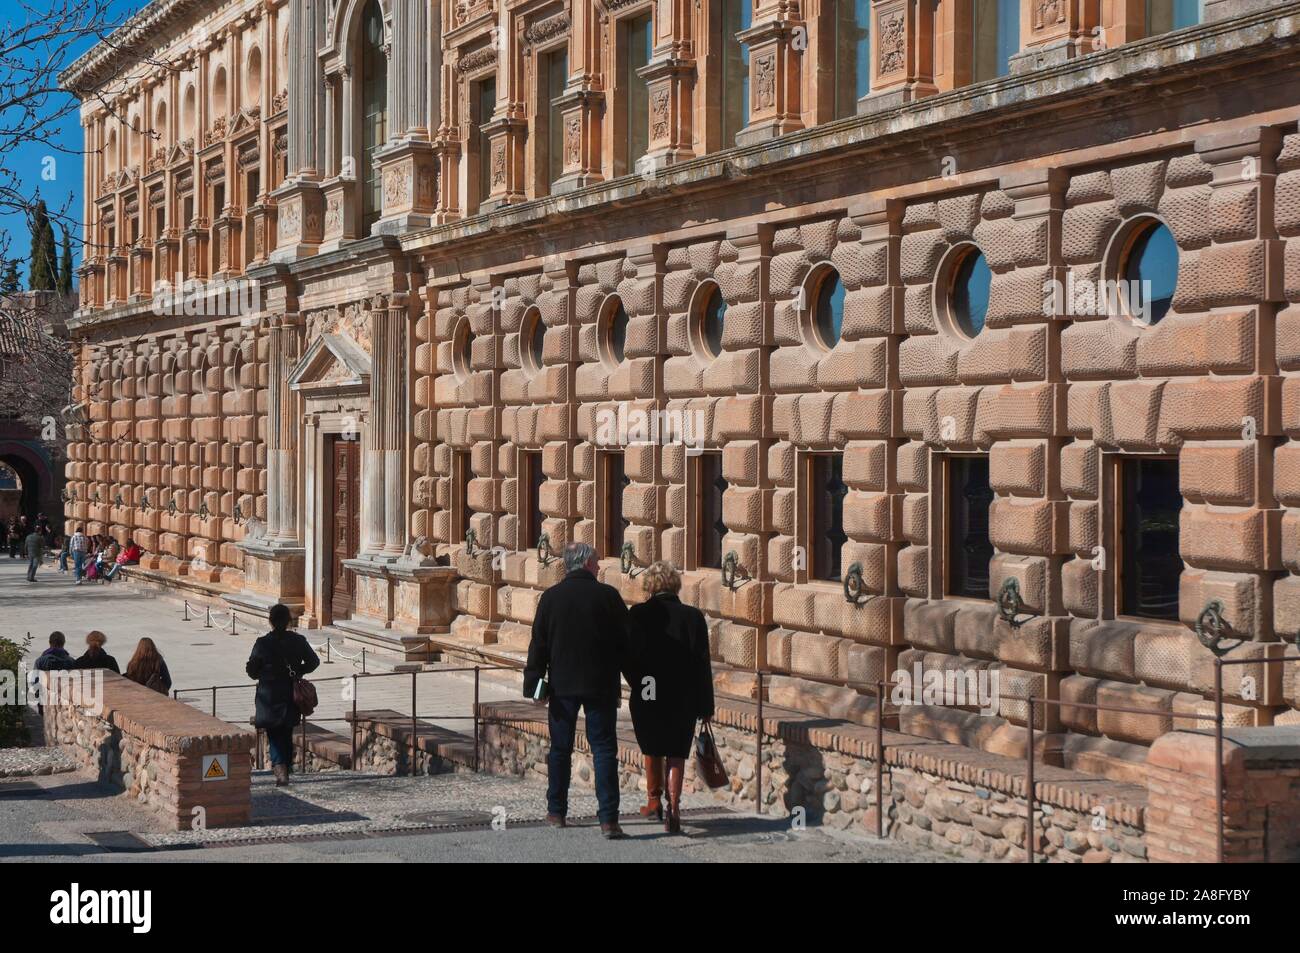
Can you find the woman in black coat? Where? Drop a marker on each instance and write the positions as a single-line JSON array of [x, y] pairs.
[[95, 656], [667, 668], [277, 658]]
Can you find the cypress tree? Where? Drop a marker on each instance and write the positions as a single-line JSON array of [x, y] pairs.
[[65, 267], [45, 261]]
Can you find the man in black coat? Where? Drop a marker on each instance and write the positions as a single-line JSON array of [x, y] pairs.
[[579, 636], [277, 659]]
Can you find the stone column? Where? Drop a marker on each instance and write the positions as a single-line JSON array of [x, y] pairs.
[[383, 469], [283, 416]]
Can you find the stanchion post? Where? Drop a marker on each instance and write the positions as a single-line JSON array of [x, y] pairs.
[[880, 759], [363, 660], [207, 617], [187, 610], [758, 749], [413, 737], [214, 701], [354, 721], [1029, 787], [302, 744], [1218, 755], [476, 736]]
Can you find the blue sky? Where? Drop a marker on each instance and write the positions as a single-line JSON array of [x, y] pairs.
[[31, 159]]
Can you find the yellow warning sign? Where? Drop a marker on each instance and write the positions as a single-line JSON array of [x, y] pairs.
[[216, 767]]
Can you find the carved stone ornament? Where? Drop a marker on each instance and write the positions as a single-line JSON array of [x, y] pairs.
[[893, 42]]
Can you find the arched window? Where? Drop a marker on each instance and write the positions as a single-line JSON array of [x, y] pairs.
[[968, 296], [1150, 269], [219, 94], [253, 78], [374, 111], [190, 115], [828, 308]]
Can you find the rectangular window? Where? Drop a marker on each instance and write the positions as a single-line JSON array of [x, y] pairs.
[[967, 499], [737, 16], [531, 479], [852, 38], [996, 29], [462, 514], [485, 104], [615, 482], [826, 492], [218, 199], [252, 185], [1149, 564], [1166, 15], [159, 222], [555, 75], [709, 529], [187, 205], [639, 38]]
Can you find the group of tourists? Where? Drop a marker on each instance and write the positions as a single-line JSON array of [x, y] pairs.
[[98, 558], [146, 667]]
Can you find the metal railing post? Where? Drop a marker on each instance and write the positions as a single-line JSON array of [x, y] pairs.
[[413, 738], [363, 660], [1218, 754], [214, 701], [758, 749], [207, 617], [1029, 787], [880, 759], [354, 721], [187, 611], [476, 736]]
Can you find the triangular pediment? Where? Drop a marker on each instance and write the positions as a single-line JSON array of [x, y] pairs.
[[333, 362]]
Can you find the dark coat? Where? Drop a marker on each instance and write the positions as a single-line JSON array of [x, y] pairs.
[[276, 658], [54, 660], [163, 683], [668, 642], [98, 658], [579, 631]]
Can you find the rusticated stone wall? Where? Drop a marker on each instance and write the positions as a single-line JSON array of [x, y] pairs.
[[172, 453]]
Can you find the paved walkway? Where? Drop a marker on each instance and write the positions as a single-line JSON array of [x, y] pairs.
[[199, 657], [339, 816]]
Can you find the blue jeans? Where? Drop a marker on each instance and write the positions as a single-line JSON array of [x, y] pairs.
[[79, 564], [32, 564], [280, 743], [601, 719]]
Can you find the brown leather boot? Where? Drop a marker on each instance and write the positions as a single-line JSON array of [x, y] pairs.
[[281, 772], [654, 788], [676, 776]]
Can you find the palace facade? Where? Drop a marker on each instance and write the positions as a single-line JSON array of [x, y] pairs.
[[934, 335]]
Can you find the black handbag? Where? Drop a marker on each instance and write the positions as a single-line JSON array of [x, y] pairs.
[[708, 762]]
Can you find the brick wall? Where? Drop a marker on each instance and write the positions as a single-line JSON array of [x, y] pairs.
[[151, 748]]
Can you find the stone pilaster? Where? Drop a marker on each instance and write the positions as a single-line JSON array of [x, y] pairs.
[[670, 77], [775, 71], [1053, 33], [902, 54]]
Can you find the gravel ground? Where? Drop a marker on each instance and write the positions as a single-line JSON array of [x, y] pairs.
[[28, 762], [343, 803]]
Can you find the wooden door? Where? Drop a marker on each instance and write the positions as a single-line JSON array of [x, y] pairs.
[[345, 530]]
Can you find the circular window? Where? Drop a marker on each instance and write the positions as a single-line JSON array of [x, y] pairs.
[[1150, 271], [827, 311], [462, 348], [531, 341], [614, 330], [712, 312], [968, 294]]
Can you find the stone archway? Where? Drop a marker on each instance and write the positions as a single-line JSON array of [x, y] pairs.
[[38, 479]]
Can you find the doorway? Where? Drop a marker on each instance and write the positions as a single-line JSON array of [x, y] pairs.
[[345, 523]]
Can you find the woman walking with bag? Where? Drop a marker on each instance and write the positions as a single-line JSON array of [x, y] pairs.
[[672, 686], [278, 661]]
